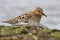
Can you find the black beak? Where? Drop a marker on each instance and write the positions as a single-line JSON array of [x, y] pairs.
[[44, 15]]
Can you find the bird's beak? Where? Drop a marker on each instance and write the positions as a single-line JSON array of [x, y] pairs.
[[44, 15]]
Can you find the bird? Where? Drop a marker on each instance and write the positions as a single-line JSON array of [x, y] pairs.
[[32, 17]]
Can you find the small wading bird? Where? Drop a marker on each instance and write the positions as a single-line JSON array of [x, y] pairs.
[[32, 17]]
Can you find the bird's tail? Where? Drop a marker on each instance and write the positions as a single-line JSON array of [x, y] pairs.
[[5, 21]]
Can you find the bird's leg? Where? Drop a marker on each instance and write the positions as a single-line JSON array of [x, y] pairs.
[[37, 28]]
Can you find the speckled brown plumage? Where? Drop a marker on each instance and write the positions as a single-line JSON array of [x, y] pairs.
[[32, 17]]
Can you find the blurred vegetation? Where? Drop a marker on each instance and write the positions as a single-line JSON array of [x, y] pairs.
[[23, 32]]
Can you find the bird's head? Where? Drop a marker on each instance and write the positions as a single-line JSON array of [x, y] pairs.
[[39, 11]]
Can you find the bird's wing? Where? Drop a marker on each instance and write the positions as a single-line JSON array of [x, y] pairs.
[[11, 21], [24, 17]]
